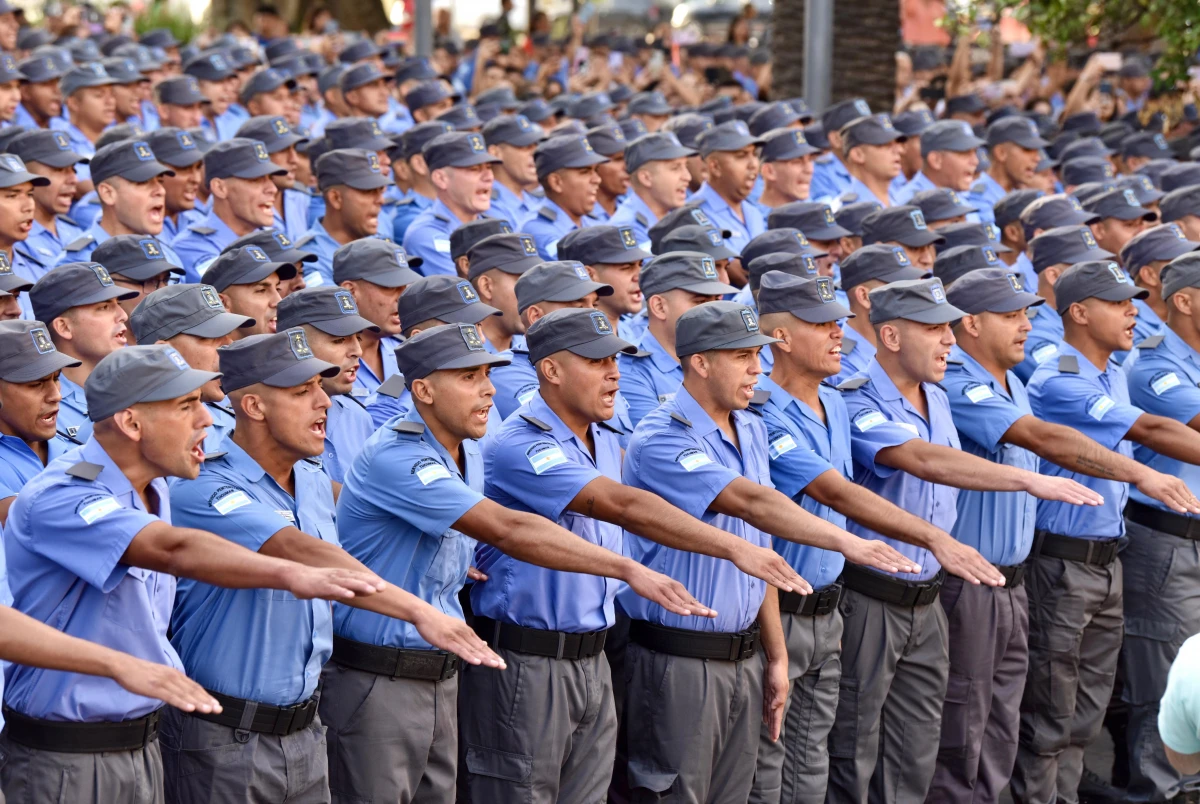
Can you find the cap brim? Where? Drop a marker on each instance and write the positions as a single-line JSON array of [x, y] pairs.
[[750, 341], [938, 314], [1122, 293], [703, 289], [832, 232], [473, 359], [579, 291], [1029, 144], [901, 274], [144, 171], [258, 170], [796, 153], [737, 145], [1018, 301], [721, 252], [105, 294], [14, 283], [823, 314], [398, 278], [373, 182], [182, 384], [602, 347], [151, 269], [219, 325], [594, 159], [469, 314], [295, 256], [183, 159], [61, 159], [624, 256], [1132, 214], [42, 366], [13, 179], [344, 325], [300, 372], [266, 269], [286, 141], [924, 237], [515, 267], [525, 139]]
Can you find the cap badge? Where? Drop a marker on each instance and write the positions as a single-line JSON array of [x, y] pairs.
[[527, 245], [798, 137], [505, 228], [345, 303], [714, 237], [708, 267], [699, 217], [467, 292], [280, 125], [282, 239], [470, 337], [401, 258], [41, 340], [476, 143], [861, 107], [810, 265], [375, 129], [1014, 281], [142, 151], [989, 255], [802, 240], [927, 118], [587, 146], [255, 253], [828, 213], [5, 265], [1074, 202], [619, 136], [741, 128], [523, 122], [11, 163], [299, 344], [627, 238], [749, 319], [1088, 239], [953, 197], [260, 152], [185, 141], [901, 256], [886, 122], [1160, 141], [917, 218], [1108, 170], [1175, 230], [61, 141], [825, 289], [94, 68], [1118, 273], [151, 249], [938, 292], [581, 272], [209, 294], [600, 322], [373, 162], [966, 128], [9, 64], [1145, 182], [101, 273], [1130, 198], [176, 358], [992, 232]]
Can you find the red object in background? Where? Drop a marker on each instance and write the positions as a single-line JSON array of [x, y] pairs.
[[918, 22]]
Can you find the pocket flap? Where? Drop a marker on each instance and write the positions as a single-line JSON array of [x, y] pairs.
[[1158, 630], [649, 777], [500, 764]]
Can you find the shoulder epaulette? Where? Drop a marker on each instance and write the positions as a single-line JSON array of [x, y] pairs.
[[1150, 343], [304, 240], [537, 192], [640, 218], [1033, 312], [439, 216], [314, 461], [954, 360], [848, 345], [760, 397], [640, 353], [848, 198], [608, 426], [223, 408], [68, 436], [939, 385], [853, 384], [548, 214], [978, 187], [415, 428], [495, 194], [67, 219], [393, 386], [79, 243], [85, 470], [828, 384], [202, 230], [538, 423], [1068, 364], [679, 418], [212, 456], [355, 400], [302, 189], [403, 202]]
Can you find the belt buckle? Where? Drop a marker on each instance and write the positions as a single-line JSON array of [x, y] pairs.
[[449, 665], [746, 645]]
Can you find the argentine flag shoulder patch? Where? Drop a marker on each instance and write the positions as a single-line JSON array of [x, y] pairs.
[[978, 393], [1164, 382], [692, 459], [228, 499], [97, 509], [867, 419], [780, 444], [544, 456]]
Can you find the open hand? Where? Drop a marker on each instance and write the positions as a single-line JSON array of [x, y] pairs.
[[164, 683], [965, 562], [765, 564], [452, 634], [1063, 489], [1171, 492], [666, 592], [333, 583], [876, 554]]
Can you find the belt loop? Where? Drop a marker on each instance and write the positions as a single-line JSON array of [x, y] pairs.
[[562, 642], [495, 634], [248, 712]]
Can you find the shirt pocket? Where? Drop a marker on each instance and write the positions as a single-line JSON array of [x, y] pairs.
[[449, 562], [130, 605]]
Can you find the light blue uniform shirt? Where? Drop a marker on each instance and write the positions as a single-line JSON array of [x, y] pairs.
[[1165, 381], [395, 514], [318, 241], [882, 417], [636, 214], [830, 179], [80, 144], [63, 543], [901, 192], [1024, 267], [72, 410], [81, 250], [857, 354], [689, 465], [1042, 342], [366, 384], [185, 218], [802, 447], [723, 217], [1096, 404], [199, 244], [648, 379], [541, 472], [547, 226], [984, 194], [632, 326], [348, 425], [516, 383], [858, 191], [408, 207], [46, 246], [294, 220], [515, 209], [224, 420], [428, 237], [263, 645], [396, 120], [1146, 325], [18, 465], [999, 524]]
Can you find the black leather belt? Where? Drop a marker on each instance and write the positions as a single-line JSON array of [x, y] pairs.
[[695, 644], [1185, 527], [422, 665], [81, 738], [239, 713], [555, 644], [893, 590], [1097, 552], [821, 601], [1014, 576]]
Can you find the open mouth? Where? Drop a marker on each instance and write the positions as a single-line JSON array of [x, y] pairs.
[[49, 420], [836, 350], [481, 414], [120, 336], [197, 451], [271, 322], [318, 428], [351, 374], [25, 226], [156, 212], [940, 361], [747, 391]]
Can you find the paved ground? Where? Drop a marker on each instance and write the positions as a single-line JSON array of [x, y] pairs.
[[1099, 759]]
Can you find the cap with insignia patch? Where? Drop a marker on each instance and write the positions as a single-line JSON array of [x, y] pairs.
[[810, 299], [511, 253], [135, 257], [692, 271], [329, 309], [27, 354], [450, 346], [991, 290], [137, 374], [559, 281], [280, 360], [240, 158], [74, 284], [587, 333], [184, 309], [444, 298], [718, 325]]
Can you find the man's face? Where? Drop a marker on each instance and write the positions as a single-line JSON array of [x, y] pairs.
[[833, 253], [518, 162], [287, 160], [252, 200], [910, 156], [791, 178], [462, 399], [10, 96], [55, 198], [276, 103], [340, 350], [377, 304], [1111, 323], [16, 211], [360, 210], [697, 172], [296, 416], [370, 100], [43, 100], [9, 28], [10, 306], [666, 181], [184, 117], [881, 161], [614, 179], [92, 107], [127, 99], [920, 256], [677, 302], [29, 410], [143, 288], [1002, 336], [471, 187], [593, 383], [732, 375], [504, 298], [219, 93], [627, 294], [735, 171], [1112, 233], [923, 349], [259, 301], [1018, 162], [180, 190], [1190, 224], [173, 435], [955, 169], [97, 330], [653, 122], [430, 112], [140, 206], [201, 354], [815, 349]]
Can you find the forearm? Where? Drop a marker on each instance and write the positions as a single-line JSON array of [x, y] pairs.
[[878, 514], [654, 518], [771, 627], [24, 640], [1167, 437], [1072, 450], [539, 541], [781, 517], [203, 556], [952, 467]]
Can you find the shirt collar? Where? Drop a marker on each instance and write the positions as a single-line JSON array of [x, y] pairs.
[[1179, 347], [241, 461], [662, 361], [689, 408], [560, 431], [222, 229], [469, 447], [638, 204], [1086, 367], [975, 370], [18, 444], [707, 193], [111, 474], [781, 400], [318, 228], [98, 234], [69, 389], [438, 207]]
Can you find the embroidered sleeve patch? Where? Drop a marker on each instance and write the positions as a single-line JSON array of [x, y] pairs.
[[1164, 382], [781, 444], [428, 470], [98, 509], [230, 501], [978, 393], [442, 246], [527, 393], [544, 456], [867, 419], [692, 459], [1044, 352], [1100, 405]]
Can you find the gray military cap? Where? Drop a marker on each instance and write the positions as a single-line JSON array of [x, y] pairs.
[[184, 310], [329, 309], [265, 80], [1180, 203], [565, 151], [1142, 188], [609, 140], [10, 283], [412, 141], [46, 146], [1052, 211], [330, 77], [503, 97], [137, 374], [689, 127], [631, 128], [471, 232], [920, 300], [1164, 242], [375, 260], [692, 271], [718, 325], [458, 149], [246, 266], [444, 298], [83, 76], [786, 240], [885, 263], [1084, 169], [537, 110], [705, 239], [1009, 208], [814, 218], [43, 68], [1015, 129], [181, 90], [899, 224], [279, 246], [449, 346], [1185, 174], [512, 253], [280, 360], [992, 290], [779, 114], [273, 132], [914, 123], [357, 132], [971, 234], [13, 172], [686, 215], [74, 284], [1094, 279], [462, 116], [360, 75], [1179, 273], [783, 144], [425, 94], [27, 353], [941, 204], [1084, 146], [174, 147], [512, 129], [240, 158], [949, 135], [1065, 245], [652, 103], [809, 299], [119, 132], [801, 265], [604, 245], [732, 135], [350, 167], [876, 129], [842, 112], [660, 146], [587, 333], [135, 257], [1120, 204], [559, 281], [211, 67], [961, 260], [851, 216]]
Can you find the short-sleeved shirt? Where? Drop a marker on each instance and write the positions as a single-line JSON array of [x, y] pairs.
[[802, 447], [72, 410], [224, 420], [1096, 403], [830, 179], [366, 384], [516, 383], [18, 465], [263, 645], [201, 243], [46, 246], [1042, 342], [408, 208], [516, 209], [63, 542], [881, 417], [1146, 325], [294, 221], [636, 214], [679, 453], [999, 524], [1165, 380], [184, 219], [348, 425], [396, 513], [648, 378], [547, 226], [81, 249], [318, 241], [743, 229], [858, 191], [538, 470], [428, 237], [984, 194], [1179, 712]]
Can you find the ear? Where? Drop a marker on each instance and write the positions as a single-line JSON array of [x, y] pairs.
[[218, 188], [889, 337], [334, 198], [107, 193], [699, 364], [484, 287], [768, 171], [440, 179], [422, 391], [785, 339], [934, 160], [225, 300], [61, 327], [252, 406], [862, 295], [127, 422], [1149, 277], [1078, 313], [462, 265], [553, 182], [1182, 302], [1014, 231], [532, 314], [494, 150], [550, 369], [970, 325], [657, 306], [418, 165]]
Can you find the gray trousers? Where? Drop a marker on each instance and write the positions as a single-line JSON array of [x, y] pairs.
[[1075, 632], [989, 658], [693, 727], [883, 744], [1162, 611], [540, 732], [795, 768], [392, 740], [207, 763], [31, 776]]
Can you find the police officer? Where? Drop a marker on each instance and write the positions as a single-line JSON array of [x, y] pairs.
[[265, 494], [48, 154], [138, 263], [903, 226], [612, 256], [239, 173], [1007, 218], [421, 193], [466, 236], [563, 472], [566, 169], [497, 262], [213, 72], [178, 150], [179, 102], [396, 738], [658, 183], [352, 181], [88, 100], [1080, 173], [192, 320], [41, 96], [364, 88], [429, 99], [1143, 258], [730, 155], [1053, 252], [831, 178], [1121, 217], [955, 263], [688, 127], [279, 248], [911, 124], [364, 133], [460, 168], [11, 288], [651, 108], [112, 543], [610, 141], [894, 654], [876, 162], [376, 272], [942, 207], [787, 168], [1182, 206], [1014, 149], [267, 92], [1076, 554], [802, 265], [695, 736], [817, 221], [850, 217], [808, 434], [293, 199], [672, 284], [511, 138], [16, 213], [248, 281]]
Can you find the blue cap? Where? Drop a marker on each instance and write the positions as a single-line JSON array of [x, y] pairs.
[[781, 145], [427, 93], [632, 128], [1065, 245], [851, 216], [414, 139], [462, 116], [1182, 272], [416, 68], [245, 266], [899, 224], [1084, 169], [961, 260], [1181, 175], [512, 253], [1150, 144], [444, 298], [450, 346], [265, 80], [608, 140], [718, 325], [160, 37], [240, 158], [1178, 203], [941, 204], [375, 260], [607, 245], [558, 281], [357, 132], [1085, 123], [970, 103], [331, 310], [501, 96], [330, 77], [136, 257], [123, 71], [873, 130], [1164, 242], [920, 300], [565, 151], [706, 239], [457, 149], [8, 69], [661, 146], [536, 110], [686, 215], [137, 374], [73, 284], [733, 135], [1009, 208], [651, 103], [130, 159], [278, 245], [995, 289], [814, 218], [1143, 189], [689, 127], [359, 50], [692, 271], [971, 234], [1084, 146], [779, 114], [914, 123], [801, 265], [810, 299], [471, 232], [352, 167], [775, 241], [1120, 204], [210, 67], [1095, 279], [1019, 130], [273, 132], [83, 76], [1051, 211], [1155, 168], [589, 105], [949, 135], [587, 333], [841, 113], [512, 129], [47, 146], [28, 353], [279, 360], [281, 48], [884, 263], [180, 90]]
